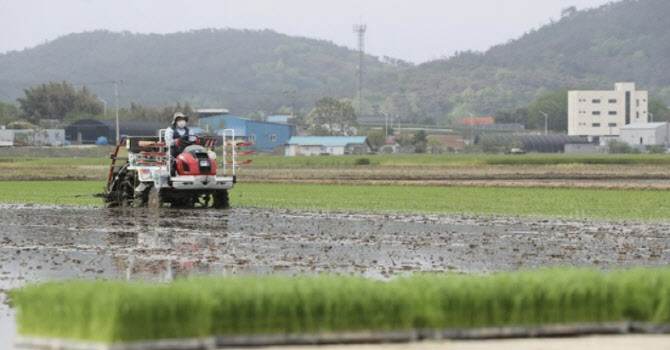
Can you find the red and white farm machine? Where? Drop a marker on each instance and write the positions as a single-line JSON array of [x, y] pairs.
[[150, 176]]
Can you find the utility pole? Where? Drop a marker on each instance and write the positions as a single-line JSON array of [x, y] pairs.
[[116, 103], [386, 125], [293, 93], [545, 122], [472, 133], [104, 106], [399, 126], [360, 30]]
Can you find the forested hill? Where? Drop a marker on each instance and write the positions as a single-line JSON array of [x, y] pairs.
[[242, 70], [248, 71], [622, 41]]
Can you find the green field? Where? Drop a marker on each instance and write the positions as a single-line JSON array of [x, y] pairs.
[[392, 160], [51, 192], [534, 202], [113, 311], [464, 159], [38, 162]]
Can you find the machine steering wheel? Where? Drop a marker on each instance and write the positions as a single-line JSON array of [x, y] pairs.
[[188, 140]]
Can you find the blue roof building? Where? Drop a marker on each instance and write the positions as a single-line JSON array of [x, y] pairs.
[[327, 145], [265, 135]]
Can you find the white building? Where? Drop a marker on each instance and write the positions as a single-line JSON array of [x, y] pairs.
[[603, 113], [647, 134], [580, 148], [30, 137], [390, 146], [327, 145], [280, 119]]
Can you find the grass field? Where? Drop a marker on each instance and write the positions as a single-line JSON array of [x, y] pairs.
[[535, 170], [388, 160], [113, 311], [572, 203], [51, 192], [464, 159], [535, 202], [38, 162], [630, 172]]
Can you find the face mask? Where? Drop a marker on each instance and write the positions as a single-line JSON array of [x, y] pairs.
[[181, 124]]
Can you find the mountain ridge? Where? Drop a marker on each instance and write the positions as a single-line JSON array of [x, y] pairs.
[[255, 72], [206, 67]]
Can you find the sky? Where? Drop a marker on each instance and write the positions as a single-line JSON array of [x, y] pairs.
[[412, 30]]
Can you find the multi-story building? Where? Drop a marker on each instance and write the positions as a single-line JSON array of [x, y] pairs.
[[602, 113]]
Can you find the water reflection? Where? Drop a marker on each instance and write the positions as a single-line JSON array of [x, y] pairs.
[[165, 244], [50, 243]]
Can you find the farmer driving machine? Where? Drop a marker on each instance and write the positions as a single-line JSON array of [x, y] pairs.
[[150, 176]]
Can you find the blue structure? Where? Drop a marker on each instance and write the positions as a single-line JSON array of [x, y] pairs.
[[265, 135]]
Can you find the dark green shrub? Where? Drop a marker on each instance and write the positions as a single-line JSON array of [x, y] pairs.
[[362, 161]]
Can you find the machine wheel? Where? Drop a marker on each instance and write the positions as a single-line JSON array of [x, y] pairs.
[[186, 202], [141, 199], [221, 200], [121, 189], [155, 199], [126, 193]]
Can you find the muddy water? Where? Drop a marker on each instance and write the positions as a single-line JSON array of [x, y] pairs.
[[39, 243]]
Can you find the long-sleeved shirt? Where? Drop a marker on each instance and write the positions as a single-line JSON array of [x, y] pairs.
[[170, 138]]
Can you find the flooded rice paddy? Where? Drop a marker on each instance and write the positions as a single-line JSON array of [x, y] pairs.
[[42, 243]]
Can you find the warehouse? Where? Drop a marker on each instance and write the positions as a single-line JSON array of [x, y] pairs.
[[531, 143], [266, 136], [87, 131], [645, 134]]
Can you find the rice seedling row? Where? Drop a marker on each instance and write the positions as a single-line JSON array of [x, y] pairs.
[[113, 311]]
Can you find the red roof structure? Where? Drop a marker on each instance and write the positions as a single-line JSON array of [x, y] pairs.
[[477, 121]]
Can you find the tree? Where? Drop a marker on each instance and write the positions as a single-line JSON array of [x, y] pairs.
[[140, 112], [56, 101], [555, 104], [568, 11], [377, 138], [337, 117], [619, 147], [8, 113], [659, 110], [434, 146], [518, 116], [420, 141]]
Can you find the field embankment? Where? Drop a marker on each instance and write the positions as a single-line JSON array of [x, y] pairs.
[[486, 201], [547, 171]]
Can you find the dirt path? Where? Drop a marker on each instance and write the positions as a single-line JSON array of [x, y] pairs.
[[638, 177]]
